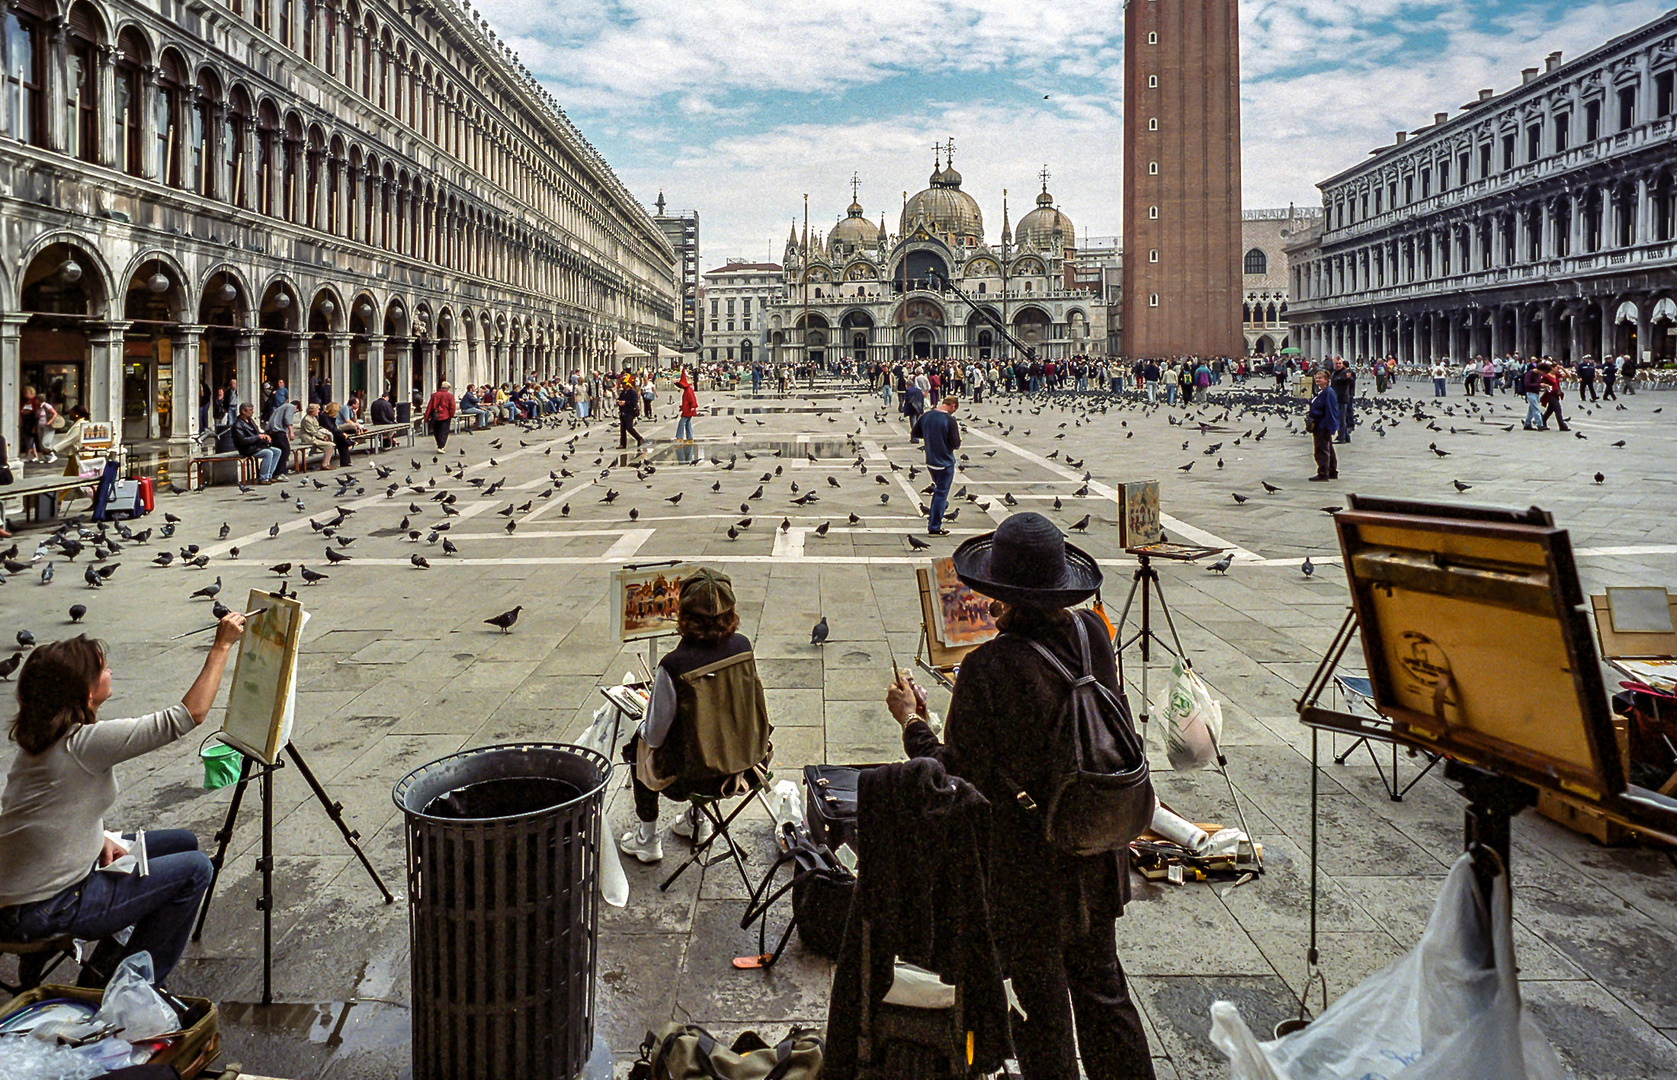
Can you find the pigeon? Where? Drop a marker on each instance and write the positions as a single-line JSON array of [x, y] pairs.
[[1239, 498], [1330, 509], [1081, 524], [25, 639], [220, 610], [505, 619], [311, 576], [419, 561], [108, 571], [1269, 487], [1599, 478], [1222, 565], [10, 664], [46, 574], [818, 632], [785, 524], [1460, 486], [1309, 567], [611, 494], [512, 526], [917, 544], [208, 591], [337, 556], [674, 499], [77, 611], [821, 529], [226, 531], [164, 558], [733, 533], [92, 577], [281, 569]]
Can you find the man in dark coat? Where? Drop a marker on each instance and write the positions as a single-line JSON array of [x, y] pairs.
[[628, 408], [1344, 382], [1322, 421]]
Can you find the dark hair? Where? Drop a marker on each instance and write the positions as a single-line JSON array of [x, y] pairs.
[[708, 629], [53, 690]]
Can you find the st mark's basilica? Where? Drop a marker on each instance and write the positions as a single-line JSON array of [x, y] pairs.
[[938, 288]]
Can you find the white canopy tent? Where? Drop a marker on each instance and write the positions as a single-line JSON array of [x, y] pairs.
[[624, 348]]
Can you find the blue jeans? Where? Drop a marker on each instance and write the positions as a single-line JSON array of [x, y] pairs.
[[1534, 410], [267, 460], [941, 479], [885, 394], [160, 906], [684, 428], [1438, 388]]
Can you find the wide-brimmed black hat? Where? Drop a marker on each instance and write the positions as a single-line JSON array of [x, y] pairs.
[[1027, 561]]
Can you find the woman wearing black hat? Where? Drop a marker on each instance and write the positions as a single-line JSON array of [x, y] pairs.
[[1052, 913]]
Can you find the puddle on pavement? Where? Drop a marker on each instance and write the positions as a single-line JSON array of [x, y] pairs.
[[829, 451], [362, 1026], [765, 410]]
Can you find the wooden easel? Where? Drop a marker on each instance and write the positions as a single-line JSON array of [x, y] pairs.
[[936, 659]]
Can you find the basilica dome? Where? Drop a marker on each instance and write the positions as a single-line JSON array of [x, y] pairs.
[[854, 232], [948, 211], [1039, 227]]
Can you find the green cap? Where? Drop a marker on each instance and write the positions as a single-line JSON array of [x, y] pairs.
[[707, 592]]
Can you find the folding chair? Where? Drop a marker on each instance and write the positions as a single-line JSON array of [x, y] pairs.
[[756, 780], [1351, 690], [48, 953]]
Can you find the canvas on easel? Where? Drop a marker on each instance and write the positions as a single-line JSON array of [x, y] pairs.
[[261, 701], [937, 658], [645, 601]]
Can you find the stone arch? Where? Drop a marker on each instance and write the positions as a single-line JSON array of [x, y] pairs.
[[176, 295], [96, 281], [211, 292], [329, 306]]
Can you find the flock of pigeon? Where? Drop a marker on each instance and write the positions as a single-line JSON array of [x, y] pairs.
[[428, 498]]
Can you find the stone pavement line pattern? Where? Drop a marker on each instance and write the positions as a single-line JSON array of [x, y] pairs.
[[398, 669]]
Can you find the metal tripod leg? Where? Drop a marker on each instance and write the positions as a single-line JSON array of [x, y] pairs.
[[222, 838], [335, 811]]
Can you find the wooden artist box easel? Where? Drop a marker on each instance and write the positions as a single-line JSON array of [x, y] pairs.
[[936, 659]]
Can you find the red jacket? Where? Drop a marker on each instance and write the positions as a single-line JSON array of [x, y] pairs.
[[440, 407], [689, 400]]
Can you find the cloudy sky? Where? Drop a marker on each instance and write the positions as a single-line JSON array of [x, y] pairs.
[[737, 108]]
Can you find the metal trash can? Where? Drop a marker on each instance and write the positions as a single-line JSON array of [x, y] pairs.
[[503, 906]]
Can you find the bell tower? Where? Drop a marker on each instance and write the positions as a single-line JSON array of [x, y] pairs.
[[1182, 178]]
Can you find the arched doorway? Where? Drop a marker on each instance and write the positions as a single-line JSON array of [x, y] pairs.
[[223, 312], [64, 295], [153, 303], [366, 357], [1033, 327], [921, 341], [328, 359], [276, 318], [858, 331], [1624, 329], [1662, 330]]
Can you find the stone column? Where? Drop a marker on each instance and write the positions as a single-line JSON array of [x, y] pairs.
[[1644, 233], [297, 368], [183, 365], [1496, 345], [111, 132], [1609, 328], [426, 375], [1644, 327], [337, 356], [404, 368], [1521, 329], [150, 167], [11, 374], [55, 82], [377, 383], [247, 365]]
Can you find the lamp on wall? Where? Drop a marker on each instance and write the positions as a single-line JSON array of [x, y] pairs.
[[228, 292], [70, 272], [327, 307], [158, 283], [282, 301]]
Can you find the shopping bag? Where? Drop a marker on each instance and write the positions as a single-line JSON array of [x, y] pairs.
[[1448, 1010], [1193, 721], [602, 732]]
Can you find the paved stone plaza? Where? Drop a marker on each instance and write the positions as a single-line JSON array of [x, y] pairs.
[[399, 669]]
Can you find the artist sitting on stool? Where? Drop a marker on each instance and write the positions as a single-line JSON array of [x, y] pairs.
[[708, 720], [52, 826]]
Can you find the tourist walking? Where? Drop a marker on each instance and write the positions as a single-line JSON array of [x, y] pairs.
[[1609, 373], [941, 435], [628, 409], [689, 409], [1551, 394], [439, 412], [1439, 374]]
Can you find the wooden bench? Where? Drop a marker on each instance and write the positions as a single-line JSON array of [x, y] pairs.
[[377, 434], [28, 491], [204, 469]]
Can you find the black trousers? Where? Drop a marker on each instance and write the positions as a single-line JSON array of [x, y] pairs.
[[1069, 979], [626, 428], [1587, 388], [439, 431], [646, 800], [1607, 390], [1327, 460], [281, 442]]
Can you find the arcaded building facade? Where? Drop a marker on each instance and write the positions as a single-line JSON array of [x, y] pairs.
[[1182, 255], [260, 189], [1539, 221], [1265, 273]]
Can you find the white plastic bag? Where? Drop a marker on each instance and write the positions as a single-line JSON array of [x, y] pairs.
[[602, 733], [130, 1002], [1448, 1010], [787, 803], [1193, 722]]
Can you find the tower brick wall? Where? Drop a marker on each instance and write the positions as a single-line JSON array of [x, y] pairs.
[[1182, 269]]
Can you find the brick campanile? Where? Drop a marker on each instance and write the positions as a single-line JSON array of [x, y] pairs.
[[1182, 178]]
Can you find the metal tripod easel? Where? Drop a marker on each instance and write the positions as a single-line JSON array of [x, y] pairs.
[[1146, 582]]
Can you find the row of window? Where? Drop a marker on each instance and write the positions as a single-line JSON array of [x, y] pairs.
[[195, 134], [1596, 220], [1493, 157]]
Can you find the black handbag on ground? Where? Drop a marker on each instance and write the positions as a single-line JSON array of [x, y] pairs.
[[830, 803], [821, 891]]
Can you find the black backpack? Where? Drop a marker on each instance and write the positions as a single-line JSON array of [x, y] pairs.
[[1100, 795]]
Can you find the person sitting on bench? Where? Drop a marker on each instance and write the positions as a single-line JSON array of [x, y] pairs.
[[708, 721], [52, 814]]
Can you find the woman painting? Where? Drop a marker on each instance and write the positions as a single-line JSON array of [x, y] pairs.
[[52, 813]]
